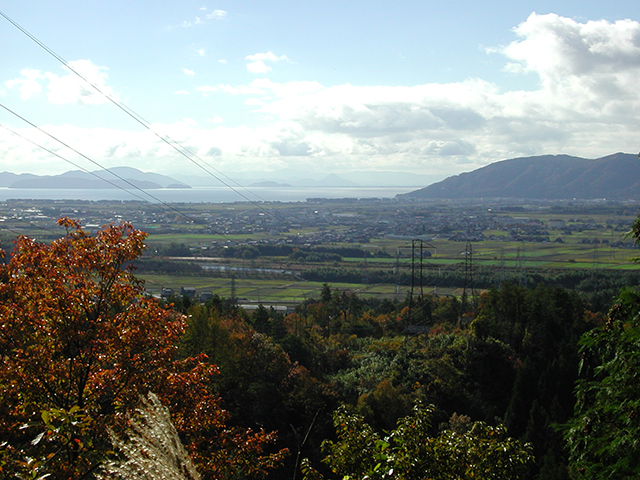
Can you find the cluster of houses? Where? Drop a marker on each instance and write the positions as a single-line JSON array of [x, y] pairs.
[[189, 292], [311, 222]]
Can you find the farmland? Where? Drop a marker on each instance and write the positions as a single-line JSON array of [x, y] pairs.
[[284, 252]]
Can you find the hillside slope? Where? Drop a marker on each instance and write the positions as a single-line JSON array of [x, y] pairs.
[[550, 177]]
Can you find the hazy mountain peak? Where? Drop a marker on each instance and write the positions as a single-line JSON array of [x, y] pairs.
[[116, 177]]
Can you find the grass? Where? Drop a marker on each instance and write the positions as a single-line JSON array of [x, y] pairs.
[[496, 253], [194, 238], [569, 255], [264, 290]]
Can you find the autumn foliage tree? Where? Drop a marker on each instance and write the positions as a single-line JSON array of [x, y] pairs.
[[80, 344]]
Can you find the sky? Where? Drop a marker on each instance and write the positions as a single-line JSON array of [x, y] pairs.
[[436, 88]]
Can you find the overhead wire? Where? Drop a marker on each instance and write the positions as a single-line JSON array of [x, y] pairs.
[[139, 119], [119, 177], [31, 224], [185, 152], [51, 152], [180, 149], [159, 201]]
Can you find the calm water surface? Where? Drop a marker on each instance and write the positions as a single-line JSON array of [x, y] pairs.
[[207, 194]]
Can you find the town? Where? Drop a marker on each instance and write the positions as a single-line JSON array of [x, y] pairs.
[[355, 244], [322, 221]]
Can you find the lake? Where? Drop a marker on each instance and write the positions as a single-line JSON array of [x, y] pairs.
[[207, 194]]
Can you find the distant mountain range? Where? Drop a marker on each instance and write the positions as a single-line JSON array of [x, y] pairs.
[[77, 179], [299, 178], [551, 177], [331, 180]]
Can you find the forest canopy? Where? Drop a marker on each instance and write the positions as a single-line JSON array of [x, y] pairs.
[[432, 387]]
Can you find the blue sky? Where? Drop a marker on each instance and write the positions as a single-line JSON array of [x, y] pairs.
[[426, 87]]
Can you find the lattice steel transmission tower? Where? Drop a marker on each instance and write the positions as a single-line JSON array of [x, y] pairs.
[[520, 265], [419, 249], [469, 281]]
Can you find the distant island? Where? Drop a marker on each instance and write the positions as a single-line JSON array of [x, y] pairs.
[[270, 184], [547, 177], [123, 178]]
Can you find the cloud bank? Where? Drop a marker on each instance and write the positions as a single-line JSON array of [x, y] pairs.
[[586, 104]]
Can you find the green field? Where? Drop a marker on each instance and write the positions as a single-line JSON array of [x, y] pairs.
[[251, 290], [446, 255], [375, 261]]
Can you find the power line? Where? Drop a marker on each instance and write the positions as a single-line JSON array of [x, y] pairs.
[[92, 161], [189, 155], [139, 119], [18, 234], [51, 152], [164, 204]]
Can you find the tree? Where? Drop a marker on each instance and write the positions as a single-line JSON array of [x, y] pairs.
[[80, 344], [603, 436], [411, 452], [257, 378], [325, 295]]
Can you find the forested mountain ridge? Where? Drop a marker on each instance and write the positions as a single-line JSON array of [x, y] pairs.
[[552, 177]]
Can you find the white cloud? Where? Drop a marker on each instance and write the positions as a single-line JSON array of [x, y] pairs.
[[258, 67], [214, 15], [254, 102], [68, 88], [187, 24], [72, 89], [207, 89], [28, 85], [186, 71], [270, 56], [380, 111], [257, 61], [586, 104], [201, 52], [448, 148], [593, 63], [553, 46]]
